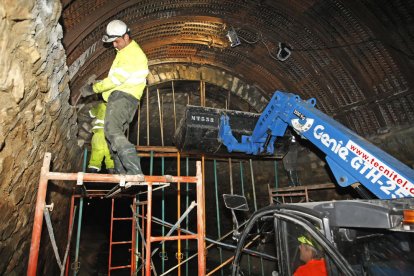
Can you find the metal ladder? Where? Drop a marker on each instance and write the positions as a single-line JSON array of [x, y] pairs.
[[113, 243]]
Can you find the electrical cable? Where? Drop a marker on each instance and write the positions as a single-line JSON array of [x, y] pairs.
[[260, 39]]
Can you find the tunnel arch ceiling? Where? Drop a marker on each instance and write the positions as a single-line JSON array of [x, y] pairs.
[[354, 57]]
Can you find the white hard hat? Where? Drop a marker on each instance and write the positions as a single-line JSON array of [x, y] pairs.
[[115, 29]]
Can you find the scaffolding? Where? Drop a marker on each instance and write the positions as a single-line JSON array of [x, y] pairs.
[[142, 210], [121, 181]]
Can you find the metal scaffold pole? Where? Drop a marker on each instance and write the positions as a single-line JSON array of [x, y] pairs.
[[217, 210], [179, 254], [78, 233], [187, 189], [255, 202], [38, 219], [163, 217], [242, 188]]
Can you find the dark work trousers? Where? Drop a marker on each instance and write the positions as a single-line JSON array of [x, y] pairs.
[[120, 111]]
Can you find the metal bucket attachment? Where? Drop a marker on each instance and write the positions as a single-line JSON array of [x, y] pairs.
[[198, 130]]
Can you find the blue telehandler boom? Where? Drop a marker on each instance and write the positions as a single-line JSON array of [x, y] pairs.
[[351, 158]]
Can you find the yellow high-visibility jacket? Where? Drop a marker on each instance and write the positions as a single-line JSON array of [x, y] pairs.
[[127, 74]]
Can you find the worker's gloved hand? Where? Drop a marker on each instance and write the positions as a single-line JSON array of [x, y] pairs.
[[91, 79], [87, 89]]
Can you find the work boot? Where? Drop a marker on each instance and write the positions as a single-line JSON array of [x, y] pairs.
[[130, 160], [119, 169], [111, 171], [92, 170]]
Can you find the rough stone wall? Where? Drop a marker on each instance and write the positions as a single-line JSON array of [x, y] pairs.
[[35, 117]]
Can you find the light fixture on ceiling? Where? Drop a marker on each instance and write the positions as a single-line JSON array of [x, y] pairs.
[[284, 52], [232, 37]]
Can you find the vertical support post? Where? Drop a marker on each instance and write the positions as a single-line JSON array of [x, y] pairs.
[[200, 222], [276, 180], [242, 188], [175, 114], [110, 237], [148, 124], [306, 194], [231, 176], [38, 219], [217, 210], [276, 184], [253, 184], [149, 220], [151, 162], [254, 199], [133, 240], [139, 121], [163, 219], [143, 241], [202, 93], [78, 233], [136, 245], [179, 213], [241, 178], [187, 200], [204, 196], [160, 115], [72, 206], [228, 98]]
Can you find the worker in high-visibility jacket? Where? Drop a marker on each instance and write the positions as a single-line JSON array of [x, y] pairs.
[[122, 89], [100, 151]]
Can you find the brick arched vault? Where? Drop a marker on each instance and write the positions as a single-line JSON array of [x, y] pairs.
[[354, 57], [216, 76], [182, 70]]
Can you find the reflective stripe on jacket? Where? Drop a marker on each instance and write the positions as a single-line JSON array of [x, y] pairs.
[[127, 74], [98, 113]]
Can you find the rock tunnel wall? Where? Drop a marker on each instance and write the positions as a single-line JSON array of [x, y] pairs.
[[35, 117]]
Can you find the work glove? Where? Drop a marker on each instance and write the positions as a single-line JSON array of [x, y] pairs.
[[87, 89]]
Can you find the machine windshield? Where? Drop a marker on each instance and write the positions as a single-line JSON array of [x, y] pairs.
[[377, 252]]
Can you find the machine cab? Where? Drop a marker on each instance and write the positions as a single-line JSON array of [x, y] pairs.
[[331, 238]]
